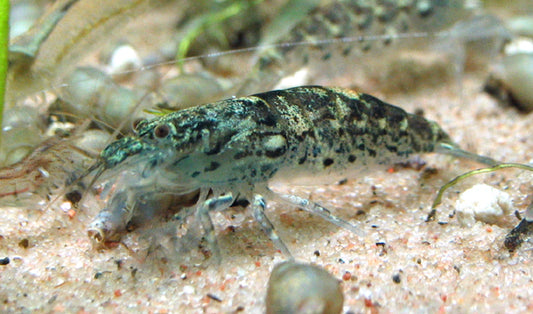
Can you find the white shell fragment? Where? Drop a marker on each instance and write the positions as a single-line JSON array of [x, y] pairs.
[[484, 203]]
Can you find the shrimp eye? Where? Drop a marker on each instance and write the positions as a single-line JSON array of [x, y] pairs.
[[136, 124], [161, 131]]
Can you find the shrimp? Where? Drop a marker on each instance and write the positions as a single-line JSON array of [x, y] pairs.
[[340, 31], [232, 149], [55, 163]]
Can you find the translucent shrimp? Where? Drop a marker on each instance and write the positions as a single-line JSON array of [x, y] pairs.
[[54, 164]]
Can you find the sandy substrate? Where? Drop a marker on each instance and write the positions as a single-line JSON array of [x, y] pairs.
[[443, 267]]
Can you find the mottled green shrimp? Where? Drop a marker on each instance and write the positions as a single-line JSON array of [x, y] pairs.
[[232, 149]]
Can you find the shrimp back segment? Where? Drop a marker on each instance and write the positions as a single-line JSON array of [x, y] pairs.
[[305, 129]]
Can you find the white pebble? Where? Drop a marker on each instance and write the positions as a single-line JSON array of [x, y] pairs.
[[518, 77], [188, 290], [519, 45], [298, 78], [66, 206], [124, 59], [482, 202]]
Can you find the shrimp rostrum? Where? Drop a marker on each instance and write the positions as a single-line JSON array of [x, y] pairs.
[[231, 149]]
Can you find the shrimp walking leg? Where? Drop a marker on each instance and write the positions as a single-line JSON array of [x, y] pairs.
[[316, 209], [202, 214], [258, 211]]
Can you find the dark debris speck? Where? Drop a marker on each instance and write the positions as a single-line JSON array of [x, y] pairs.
[[52, 299], [342, 182], [73, 196], [214, 297], [119, 264], [24, 243], [396, 278]]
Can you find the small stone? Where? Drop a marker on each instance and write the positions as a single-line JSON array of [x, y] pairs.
[[303, 288], [124, 59], [484, 203], [188, 290]]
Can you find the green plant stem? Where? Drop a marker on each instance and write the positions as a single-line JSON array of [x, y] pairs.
[[201, 24], [456, 180], [4, 46]]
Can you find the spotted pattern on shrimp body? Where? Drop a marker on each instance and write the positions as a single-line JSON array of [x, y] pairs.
[[232, 148], [313, 128]]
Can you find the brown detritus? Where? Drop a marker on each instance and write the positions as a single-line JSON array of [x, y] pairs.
[[24, 243], [73, 196]]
